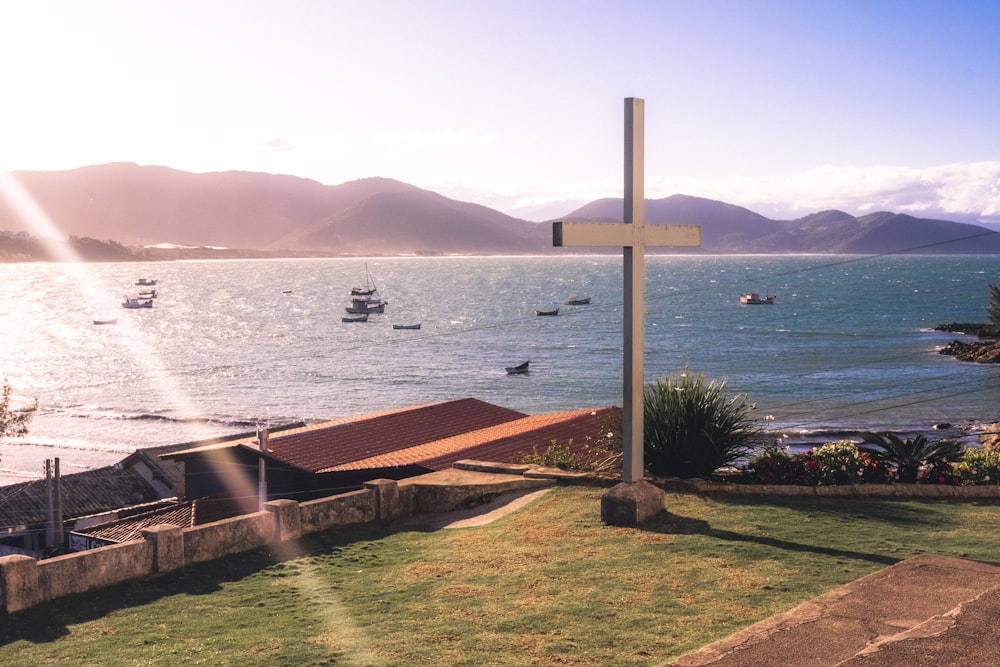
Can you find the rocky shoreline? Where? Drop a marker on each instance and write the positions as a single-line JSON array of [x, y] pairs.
[[986, 350]]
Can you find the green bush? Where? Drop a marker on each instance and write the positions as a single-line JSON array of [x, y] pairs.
[[691, 427], [979, 466], [844, 462]]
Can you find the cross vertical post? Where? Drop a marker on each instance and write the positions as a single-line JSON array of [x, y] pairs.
[[634, 266], [635, 502]]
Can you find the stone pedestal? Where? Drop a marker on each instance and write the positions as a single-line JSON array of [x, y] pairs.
[[631, 503]]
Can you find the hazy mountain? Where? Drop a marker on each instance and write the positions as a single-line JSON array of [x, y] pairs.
[[726, 228], [142, 205]]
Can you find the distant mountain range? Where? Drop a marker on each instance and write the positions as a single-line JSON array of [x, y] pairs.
[[273, 215]]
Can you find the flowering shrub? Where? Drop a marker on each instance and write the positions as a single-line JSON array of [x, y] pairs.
[[942, 474], [777, 466], [843, 463], [833, 463], [979, 466]]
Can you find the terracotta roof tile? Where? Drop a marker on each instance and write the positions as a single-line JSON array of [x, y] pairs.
[[500, 443], [341, 442], [127, 530]]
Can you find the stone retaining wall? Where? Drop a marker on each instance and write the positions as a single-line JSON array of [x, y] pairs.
[[25, 582]]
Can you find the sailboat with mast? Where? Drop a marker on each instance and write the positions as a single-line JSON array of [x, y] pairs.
[[369, 287]]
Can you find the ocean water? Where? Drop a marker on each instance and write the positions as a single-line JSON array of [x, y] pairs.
[[230, 345]]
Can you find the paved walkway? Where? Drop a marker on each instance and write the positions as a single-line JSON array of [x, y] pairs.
[[923, 611]]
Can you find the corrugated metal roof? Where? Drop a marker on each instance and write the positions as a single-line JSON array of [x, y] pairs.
[[83, 493]]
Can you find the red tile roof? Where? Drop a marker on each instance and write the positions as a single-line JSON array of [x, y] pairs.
[[338, 443], [575, 429], [432, 436]]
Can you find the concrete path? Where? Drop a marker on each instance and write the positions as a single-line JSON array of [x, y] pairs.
[[480, 515], [923, 611]]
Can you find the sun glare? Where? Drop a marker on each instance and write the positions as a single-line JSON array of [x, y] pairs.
[[92, 293]]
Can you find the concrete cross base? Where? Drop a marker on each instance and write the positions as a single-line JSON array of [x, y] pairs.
[[631, 503]]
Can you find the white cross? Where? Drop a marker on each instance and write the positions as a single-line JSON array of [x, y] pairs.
[[633, 236]]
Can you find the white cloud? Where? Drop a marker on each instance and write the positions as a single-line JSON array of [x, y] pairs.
[[962, 190], [273, 145], [400, 143]]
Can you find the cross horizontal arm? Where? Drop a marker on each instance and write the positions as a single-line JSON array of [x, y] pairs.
[[596, 234]]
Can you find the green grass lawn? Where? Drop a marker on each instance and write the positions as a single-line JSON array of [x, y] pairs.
[[547, 585]]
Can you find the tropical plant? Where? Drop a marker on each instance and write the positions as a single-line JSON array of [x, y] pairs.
[[13, 423], [910, 454], [691, 427], [993, 311]]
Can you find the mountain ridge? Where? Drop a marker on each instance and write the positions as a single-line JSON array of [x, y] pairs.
[[141, 206]]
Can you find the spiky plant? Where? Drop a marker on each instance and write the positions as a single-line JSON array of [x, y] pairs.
[[908, 455], [691, 427], [993, 311]]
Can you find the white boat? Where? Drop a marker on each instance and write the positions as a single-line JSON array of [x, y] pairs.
[[132, 302], [754, 299], [577, 301], [147, 294], [361, 305], [145, 282]]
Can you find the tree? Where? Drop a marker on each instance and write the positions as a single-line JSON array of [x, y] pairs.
[[13, 423], [691, 427], [993, 311]]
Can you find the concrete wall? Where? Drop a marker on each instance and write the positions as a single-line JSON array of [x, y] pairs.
[[25, 582]]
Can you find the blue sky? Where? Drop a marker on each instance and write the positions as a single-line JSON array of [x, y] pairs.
[[783, 106]]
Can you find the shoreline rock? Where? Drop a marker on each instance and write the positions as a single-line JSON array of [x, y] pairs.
[[984, 351]]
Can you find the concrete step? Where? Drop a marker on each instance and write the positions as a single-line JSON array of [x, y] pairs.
[[923, 611]]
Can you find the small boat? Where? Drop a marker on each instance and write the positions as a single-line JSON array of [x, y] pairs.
[[573, 301], [287, 291], [520, 369], [145, 282], [406, 326], [755, 299], [132, 302], [148, 294], [355, 318], [547, 312], [113, 320]]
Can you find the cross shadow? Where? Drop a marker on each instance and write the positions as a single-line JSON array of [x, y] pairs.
[[888, 512]]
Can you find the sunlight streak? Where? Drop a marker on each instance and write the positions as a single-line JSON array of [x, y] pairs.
[[93, 293]]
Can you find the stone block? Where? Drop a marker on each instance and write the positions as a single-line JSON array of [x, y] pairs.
[[289, 519], [168, 547], [631, 503], [18, 583]]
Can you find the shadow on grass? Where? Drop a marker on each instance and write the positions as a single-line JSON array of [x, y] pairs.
[[51, 620], [898, 513]]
